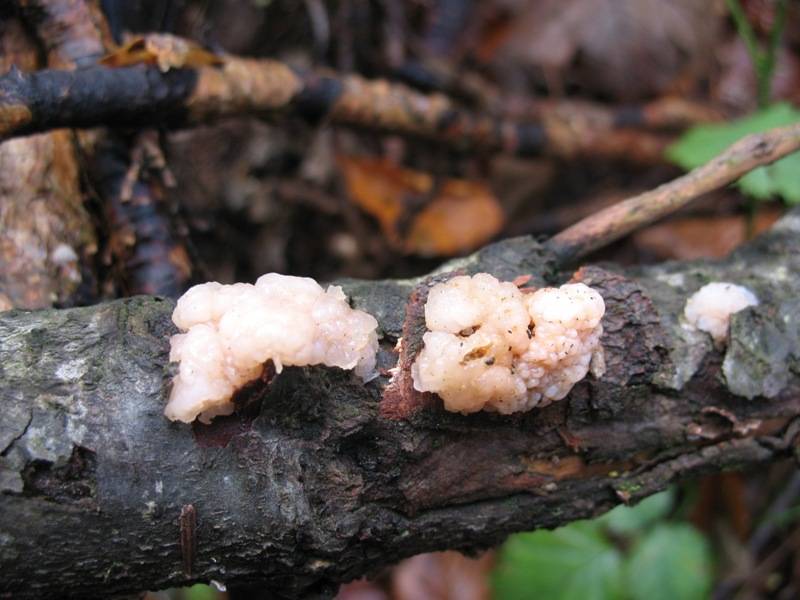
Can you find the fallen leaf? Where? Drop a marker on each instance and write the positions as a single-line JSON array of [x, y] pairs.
[[419, 215], [442, 576], [361, 589], [691, 238], [625, 48], [161, 49]]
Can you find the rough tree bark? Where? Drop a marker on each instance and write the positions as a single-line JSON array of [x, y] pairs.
[[328, 478], [49, 242]]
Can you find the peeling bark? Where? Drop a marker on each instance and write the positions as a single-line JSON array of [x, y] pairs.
[[48, 239], [319, 485]]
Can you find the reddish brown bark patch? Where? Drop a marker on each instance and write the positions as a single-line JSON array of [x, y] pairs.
[[494, 465], [400, 399], [222, 430]]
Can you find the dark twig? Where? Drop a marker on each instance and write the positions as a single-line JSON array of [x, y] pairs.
[[761, 537], [144, 95], [149, 257], [782, 503]]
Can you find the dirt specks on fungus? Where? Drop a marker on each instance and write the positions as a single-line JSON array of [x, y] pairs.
[[533, 347]]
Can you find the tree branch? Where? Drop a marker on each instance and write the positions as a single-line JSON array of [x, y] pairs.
[[322, 483], [144, 95], [614, 222]]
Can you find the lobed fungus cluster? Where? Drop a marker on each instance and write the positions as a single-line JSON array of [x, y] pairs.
[[491, 347], [233, 330]]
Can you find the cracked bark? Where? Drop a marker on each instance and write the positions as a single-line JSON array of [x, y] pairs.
[[327, 479]]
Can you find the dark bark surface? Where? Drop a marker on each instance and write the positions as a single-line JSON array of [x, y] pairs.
[[325, 481]]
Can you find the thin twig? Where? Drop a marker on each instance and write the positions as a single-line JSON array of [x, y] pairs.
[[611, 224], [762, 535], [782, 503], [751, 581]]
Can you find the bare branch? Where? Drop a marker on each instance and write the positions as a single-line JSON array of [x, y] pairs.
[[144, 95], [615, 222]]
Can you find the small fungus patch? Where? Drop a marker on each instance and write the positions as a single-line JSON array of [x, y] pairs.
[[710, 308], [491, 347]]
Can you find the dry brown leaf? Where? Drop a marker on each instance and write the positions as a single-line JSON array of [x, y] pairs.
[[161, 49], [626, 48], [691, 238], [462, 217], [442, 576], [419, 215], [361, 589]]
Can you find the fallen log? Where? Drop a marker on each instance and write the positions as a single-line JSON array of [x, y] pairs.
[[321, 478]]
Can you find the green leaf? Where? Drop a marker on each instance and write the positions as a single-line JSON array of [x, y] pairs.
[[627, 520], [671, 562], [702, 143], [200, 591], [571, 563]]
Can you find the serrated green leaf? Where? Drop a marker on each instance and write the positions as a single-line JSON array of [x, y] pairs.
[[702, 143], [575, 562], [627, 520], [671, 562]]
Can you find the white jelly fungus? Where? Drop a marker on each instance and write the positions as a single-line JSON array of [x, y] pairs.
[[491, 347], [233, 330], [710, 308]]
